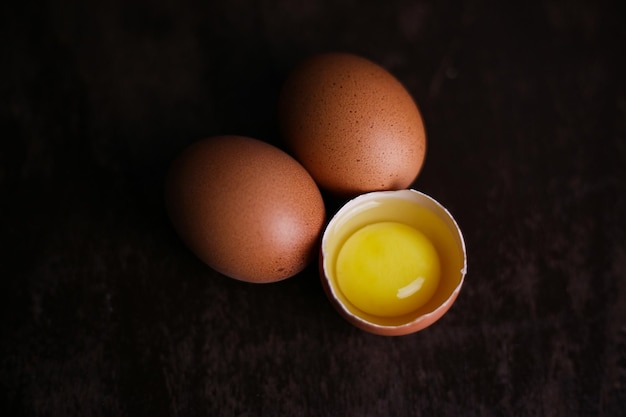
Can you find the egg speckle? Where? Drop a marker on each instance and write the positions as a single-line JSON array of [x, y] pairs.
[[245, 208], [352, 124]]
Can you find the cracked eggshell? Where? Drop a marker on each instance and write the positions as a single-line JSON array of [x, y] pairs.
[[352, 124], [245, 208], [414, 209]]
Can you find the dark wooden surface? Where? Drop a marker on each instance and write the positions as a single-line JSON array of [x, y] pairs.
[[104, 312]]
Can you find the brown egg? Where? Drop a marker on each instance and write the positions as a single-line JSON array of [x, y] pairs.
[[245, 208], [352, 125]]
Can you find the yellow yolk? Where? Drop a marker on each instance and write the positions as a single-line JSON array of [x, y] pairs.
[[387, 269]]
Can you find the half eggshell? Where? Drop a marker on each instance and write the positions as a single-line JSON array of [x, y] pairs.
[[417, 210]]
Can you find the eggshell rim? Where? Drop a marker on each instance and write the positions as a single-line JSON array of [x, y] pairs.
[[420, 322]]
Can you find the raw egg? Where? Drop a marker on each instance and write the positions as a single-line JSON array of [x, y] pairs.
[[245, 208], [351, 124], [392, 262]]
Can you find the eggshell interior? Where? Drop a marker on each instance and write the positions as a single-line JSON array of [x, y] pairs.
[[415, 209]]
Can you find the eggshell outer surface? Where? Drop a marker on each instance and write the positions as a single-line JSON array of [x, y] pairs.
[[352, 125], [245, 208]]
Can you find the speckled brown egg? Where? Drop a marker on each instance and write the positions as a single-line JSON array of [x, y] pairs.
[[245, 208], [352, 124]]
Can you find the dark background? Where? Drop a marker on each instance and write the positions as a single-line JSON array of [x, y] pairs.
[[104, 312]]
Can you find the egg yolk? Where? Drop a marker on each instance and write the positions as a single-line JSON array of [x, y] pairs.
[[387, 269]]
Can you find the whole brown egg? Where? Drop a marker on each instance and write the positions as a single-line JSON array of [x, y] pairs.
[[245, 208], [352, 124]]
